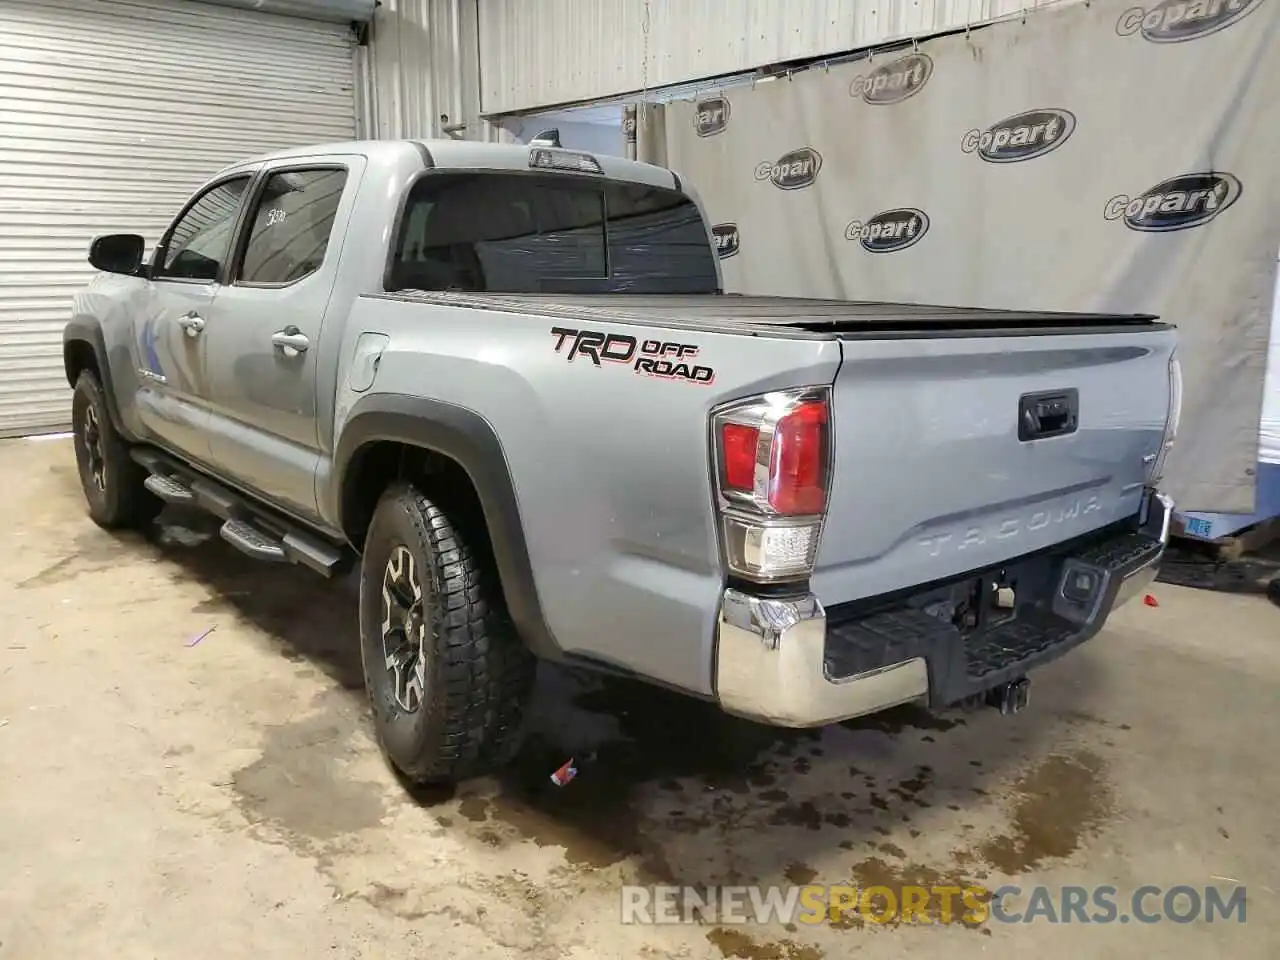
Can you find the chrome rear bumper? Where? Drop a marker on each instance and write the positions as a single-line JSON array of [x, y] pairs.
[[773, 662]]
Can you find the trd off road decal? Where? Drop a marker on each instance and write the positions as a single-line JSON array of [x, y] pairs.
[[1179, 203], [1175, 21], [664, 359]]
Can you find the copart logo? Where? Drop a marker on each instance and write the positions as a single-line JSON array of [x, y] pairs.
[[726, 238], [1178, 203], [1023, 136], [710, 116], [1174, 21], [890, 230], [895, 81], [793, 170]]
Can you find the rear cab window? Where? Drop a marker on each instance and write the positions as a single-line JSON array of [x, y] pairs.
[[547, 233]]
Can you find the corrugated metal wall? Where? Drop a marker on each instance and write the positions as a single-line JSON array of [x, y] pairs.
[[110, 115], [336, 11], [422, 62], [562, 51]]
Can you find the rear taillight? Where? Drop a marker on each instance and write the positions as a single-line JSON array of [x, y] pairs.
[[1172, 421], [773, 467]]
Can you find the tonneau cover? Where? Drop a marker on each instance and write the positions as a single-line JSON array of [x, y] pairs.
[[789, 314]]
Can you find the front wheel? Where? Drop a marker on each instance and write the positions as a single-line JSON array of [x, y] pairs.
[[447, 676], [112, 482]]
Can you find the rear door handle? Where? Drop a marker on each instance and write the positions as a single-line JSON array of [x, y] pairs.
[[192, 324], [291, 341]]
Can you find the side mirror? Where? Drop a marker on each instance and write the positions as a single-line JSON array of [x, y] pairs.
[[117, 253], [547, 138]]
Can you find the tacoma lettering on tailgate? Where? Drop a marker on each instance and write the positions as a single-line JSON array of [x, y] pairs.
[[664, 359], [1009, 527]]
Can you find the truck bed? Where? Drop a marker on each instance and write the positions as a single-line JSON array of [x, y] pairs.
[[783, 316]]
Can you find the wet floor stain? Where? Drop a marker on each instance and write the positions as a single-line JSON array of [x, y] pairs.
[[906, 892], [600, 818], [92, 552], [301, 785], [649, 782], [908, 717], [805, 814], [800, 874], [738, 944], [1059, 802]]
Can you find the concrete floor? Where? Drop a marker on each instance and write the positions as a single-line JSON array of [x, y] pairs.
[[224, 799]]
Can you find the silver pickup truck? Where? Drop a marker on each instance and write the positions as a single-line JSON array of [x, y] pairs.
[[506, 381]]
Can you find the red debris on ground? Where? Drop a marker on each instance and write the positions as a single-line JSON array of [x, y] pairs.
[[566, 773]]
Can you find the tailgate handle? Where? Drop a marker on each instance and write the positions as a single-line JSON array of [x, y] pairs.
[[1053, 414]]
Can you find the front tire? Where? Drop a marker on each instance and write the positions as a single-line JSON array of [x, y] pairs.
[[447, 676], [112, 482]]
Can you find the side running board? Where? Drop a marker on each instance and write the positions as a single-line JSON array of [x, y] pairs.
[[252, 542], [168, 489], [250, 528]]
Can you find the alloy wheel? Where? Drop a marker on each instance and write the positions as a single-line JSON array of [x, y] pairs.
[[91, 439], [404, 628]]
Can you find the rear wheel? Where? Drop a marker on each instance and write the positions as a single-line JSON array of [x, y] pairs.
[[447, 676], [112, 482]]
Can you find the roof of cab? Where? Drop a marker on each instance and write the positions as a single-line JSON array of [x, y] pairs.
[[460, 154]]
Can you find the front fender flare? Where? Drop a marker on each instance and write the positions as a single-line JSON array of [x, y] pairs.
[[88, 330], [467, 438]]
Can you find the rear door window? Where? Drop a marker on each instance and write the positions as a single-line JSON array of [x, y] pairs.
[[291, 226], [536, 233]]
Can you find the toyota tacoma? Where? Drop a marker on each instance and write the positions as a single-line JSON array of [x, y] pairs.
[[507, 382]]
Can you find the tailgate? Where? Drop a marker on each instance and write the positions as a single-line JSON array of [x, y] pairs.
[[931, 477]]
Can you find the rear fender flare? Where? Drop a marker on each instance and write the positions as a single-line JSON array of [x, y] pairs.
[[470, 440]]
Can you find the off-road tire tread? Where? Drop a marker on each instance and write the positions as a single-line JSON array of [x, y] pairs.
[[486, 674], [128, 504]]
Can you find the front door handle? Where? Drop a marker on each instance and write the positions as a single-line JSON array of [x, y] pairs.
[[291, 341], [192, 324]]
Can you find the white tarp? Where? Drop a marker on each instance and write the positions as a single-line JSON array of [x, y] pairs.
[[1094, 157], [1269, 431]]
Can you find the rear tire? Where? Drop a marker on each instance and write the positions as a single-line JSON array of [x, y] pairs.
[[447, 676], [110, 478]]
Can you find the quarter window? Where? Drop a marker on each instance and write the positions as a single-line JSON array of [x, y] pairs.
[[291, 225], [199, 242]]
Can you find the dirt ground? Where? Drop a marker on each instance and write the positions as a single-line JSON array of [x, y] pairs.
[[163, 798]]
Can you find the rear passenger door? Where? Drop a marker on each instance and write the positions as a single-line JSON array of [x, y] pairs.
[[266, 340]]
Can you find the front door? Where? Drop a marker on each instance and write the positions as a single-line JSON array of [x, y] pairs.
[[169, 327], [264, 338]]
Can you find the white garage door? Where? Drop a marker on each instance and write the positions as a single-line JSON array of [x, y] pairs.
[[111, 114]]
